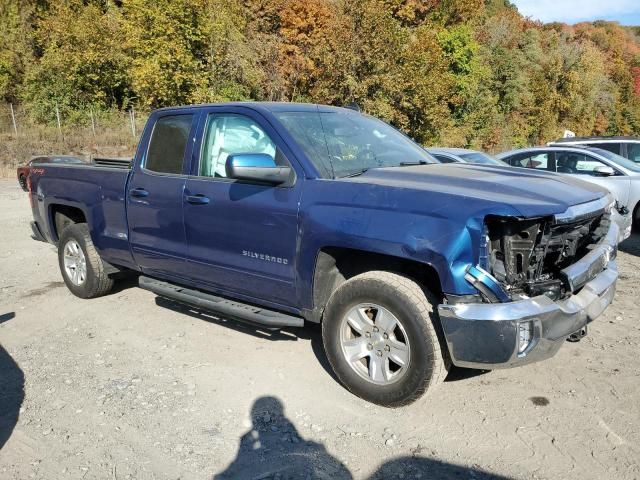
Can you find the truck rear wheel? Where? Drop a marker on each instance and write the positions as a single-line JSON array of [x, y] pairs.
[[379, 333], [80, 263]]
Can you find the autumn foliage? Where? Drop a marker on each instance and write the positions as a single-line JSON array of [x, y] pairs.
[[450, 72]]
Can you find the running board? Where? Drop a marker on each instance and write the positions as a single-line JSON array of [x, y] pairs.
[[223, 306]]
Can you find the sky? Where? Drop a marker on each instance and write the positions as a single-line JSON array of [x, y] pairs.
[[627, 12]]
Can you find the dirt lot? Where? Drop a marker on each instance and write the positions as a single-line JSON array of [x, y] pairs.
[[130, 386]]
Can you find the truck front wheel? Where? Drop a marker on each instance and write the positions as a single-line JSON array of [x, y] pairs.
[[80, 263], [379, 333]]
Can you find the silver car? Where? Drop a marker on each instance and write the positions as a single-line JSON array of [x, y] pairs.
[[463, 155], [618, 174]]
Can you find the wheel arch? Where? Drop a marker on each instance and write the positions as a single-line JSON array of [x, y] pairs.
[[336, 265], [61, 216]]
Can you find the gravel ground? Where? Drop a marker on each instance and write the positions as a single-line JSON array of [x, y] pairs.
[[133, 387]]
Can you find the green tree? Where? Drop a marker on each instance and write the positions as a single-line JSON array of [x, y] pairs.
[[80, 62]]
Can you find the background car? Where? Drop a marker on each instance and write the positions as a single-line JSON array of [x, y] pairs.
[[627, 147], [617, 174], [23, 172], [462, 155]]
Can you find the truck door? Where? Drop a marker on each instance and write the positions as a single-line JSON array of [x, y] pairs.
[[154, 196], [241, 236]]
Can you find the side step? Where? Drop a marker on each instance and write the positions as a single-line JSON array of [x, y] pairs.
[[212, 303]]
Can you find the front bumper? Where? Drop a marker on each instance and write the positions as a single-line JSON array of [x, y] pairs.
[[486, 335]]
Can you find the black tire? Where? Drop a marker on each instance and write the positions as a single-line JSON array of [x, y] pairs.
[[97, 283], [636, 219], [22, 180], [414, 308]]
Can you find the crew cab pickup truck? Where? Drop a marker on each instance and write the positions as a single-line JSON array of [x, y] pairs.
[[281, 213]]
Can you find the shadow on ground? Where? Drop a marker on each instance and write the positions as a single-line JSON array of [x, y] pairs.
[[631, 245], [311, 332], [11, 394], [273, 449]]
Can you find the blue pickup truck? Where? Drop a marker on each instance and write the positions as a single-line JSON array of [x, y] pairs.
[[280, 214]]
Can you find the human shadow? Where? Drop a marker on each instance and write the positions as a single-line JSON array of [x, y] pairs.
[[273, 449], [11, 395], [429, 469]]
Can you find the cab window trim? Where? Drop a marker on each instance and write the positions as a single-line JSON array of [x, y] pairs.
[[187, 149], [208, 116]]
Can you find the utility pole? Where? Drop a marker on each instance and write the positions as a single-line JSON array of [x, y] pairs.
[[13, 119], [59, 122], [93, 122]]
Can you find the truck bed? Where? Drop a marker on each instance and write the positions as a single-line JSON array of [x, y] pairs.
[[99, 191]]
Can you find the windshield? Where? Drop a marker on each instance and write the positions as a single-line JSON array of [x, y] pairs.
[[618, 159], [342, 144], [483, 158]]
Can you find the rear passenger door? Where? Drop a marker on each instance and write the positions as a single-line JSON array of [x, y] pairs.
[[154, 196], [242, 236]]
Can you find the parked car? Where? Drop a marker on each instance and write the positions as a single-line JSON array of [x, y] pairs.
[[23, 172], [463, 155], [627, 147], [281, 213], [618, 174]]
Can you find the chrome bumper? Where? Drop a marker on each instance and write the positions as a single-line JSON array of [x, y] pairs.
[[486, 335]]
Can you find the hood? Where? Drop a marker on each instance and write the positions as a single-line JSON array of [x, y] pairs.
[[529, 192]]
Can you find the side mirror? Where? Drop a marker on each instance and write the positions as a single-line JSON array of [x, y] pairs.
[[604, 171], [256, 167]]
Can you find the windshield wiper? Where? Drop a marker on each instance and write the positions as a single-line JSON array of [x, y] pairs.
[[357, 173]]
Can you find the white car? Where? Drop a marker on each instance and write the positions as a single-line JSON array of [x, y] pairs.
[[618, 174]]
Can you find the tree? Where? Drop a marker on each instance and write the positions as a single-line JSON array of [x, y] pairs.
[[80, 60]]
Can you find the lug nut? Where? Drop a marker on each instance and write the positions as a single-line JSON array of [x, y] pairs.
[[379, 353], [368, 334], [387, 348], [385, 336], [375, 329], [369, 346]]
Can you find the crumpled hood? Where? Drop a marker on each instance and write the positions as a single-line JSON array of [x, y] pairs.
[[530, 192]]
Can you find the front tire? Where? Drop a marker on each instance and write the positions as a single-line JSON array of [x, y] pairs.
[[380, 335], [80, 264]]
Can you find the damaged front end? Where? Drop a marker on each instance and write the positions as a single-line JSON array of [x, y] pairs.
[[539, 280], [528, 256]]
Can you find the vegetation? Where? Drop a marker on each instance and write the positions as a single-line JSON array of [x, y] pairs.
[[453, 72]]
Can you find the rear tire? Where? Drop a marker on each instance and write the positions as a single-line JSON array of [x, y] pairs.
[[22, 180], [380, 333], [80, 264]]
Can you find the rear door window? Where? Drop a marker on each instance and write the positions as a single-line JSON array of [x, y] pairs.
[[538, 161], [168, 144], [610, 146], [633, 152]]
